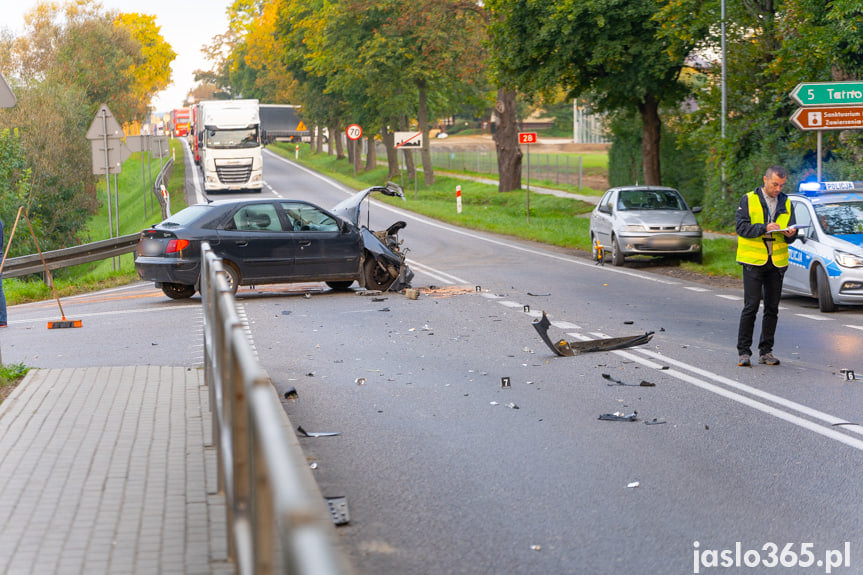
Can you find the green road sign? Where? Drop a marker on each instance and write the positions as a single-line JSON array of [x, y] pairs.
[[828, 93]]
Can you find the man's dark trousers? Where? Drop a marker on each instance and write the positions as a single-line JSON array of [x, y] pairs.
[[759, 282]]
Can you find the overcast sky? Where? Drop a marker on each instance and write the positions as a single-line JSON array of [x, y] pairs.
[[186, 25]]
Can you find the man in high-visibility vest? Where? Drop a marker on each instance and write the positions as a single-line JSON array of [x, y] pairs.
[[762, 224]]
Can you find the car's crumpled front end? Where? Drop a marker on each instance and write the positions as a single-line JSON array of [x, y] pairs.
[[384, 267]]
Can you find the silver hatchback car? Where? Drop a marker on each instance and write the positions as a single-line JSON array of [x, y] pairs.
[[645, 220]]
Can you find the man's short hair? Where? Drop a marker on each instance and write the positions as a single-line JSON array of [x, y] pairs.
[[777, 171]]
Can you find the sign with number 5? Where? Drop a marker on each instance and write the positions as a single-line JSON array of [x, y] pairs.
[[354, 132]]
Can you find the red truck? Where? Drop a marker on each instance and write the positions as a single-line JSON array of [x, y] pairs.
[[182, 121]]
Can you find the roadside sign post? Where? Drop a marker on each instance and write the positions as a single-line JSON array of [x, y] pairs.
[[828, 106], [405, 141], [354, 132], [527, 138], [107, 159]]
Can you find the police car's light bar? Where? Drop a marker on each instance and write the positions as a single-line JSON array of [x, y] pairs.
[[815, 188]]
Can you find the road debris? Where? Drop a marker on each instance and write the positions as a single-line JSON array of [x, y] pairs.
[[644, 383], [338, 508], [536, 547], [360, 381], [292, 393], [305, 433], [412, 293], [654, 421], [619, 416], [569, 349], [538, 294], [633, 485], [512, 405]]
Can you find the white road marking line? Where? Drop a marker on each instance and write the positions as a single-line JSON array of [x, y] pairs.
[[565, 325], [731, 297], [509, 303], [860, 327], [698, 289], [171, 308], [440, 275], [815, 317]]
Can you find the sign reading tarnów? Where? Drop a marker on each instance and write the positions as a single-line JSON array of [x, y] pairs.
[[828, 93], [829, 118]]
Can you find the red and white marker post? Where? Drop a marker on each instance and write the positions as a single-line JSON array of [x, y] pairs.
[[458, 199]]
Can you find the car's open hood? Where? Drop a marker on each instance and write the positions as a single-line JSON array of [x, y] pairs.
[[349, 209]]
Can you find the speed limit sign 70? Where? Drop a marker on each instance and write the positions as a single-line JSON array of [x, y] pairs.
[[354, 132]]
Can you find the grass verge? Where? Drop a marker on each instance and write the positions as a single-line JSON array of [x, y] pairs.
[[10, 376]]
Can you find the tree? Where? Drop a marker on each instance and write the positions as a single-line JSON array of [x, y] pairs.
[[609, 50], [152, 73]]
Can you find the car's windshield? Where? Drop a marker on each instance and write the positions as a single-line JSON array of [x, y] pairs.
[[243, 138], [650, 200], [841, 218], [185, 217]]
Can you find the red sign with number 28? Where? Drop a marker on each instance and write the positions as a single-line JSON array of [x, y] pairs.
[[527, 137]]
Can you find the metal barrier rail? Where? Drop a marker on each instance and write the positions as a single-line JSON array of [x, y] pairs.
[[276, 517], [103, 249]]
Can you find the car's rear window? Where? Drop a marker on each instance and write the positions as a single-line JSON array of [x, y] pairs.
[[185, 217]]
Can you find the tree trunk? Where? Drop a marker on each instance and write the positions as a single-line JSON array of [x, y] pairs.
[[423, 120], [336, 136], [410, 167], [319, 139], [650, 136], [505, 130], [392, 154], [372, 154]]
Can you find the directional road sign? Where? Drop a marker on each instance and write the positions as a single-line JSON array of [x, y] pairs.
[[828, 93], [829, 118], [408, 140]]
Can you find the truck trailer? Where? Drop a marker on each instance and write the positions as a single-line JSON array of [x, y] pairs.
[[281, 122], [228, 144]]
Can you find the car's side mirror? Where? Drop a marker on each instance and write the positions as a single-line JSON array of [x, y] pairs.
[[604, 209], [696, 210]]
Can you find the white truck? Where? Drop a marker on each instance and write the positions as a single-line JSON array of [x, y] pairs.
[[228, 136]]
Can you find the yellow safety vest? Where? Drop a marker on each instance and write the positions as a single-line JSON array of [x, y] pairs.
[[753, 250]]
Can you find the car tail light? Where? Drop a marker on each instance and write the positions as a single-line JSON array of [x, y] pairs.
[[175, 246]]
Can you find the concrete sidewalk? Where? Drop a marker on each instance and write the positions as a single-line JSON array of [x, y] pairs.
[[110, 470]]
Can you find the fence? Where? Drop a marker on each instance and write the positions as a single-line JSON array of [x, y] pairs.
[[557, 168], [277, 521]]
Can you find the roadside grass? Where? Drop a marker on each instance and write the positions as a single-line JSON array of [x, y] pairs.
[[557, 221], [138, 209], [10, 376]]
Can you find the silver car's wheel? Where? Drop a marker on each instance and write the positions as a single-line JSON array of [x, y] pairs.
[[825, 298], [616, 254]]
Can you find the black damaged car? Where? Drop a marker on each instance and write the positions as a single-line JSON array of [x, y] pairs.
[[266, 241]]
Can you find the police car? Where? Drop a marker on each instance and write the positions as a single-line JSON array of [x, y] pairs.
[[826, 260]]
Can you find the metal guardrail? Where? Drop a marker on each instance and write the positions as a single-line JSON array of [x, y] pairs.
[[103, 249], [277, 521]]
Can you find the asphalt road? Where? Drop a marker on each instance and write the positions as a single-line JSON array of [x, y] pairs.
[[443, 474]]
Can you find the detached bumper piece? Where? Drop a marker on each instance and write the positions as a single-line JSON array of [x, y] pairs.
[[569, 348]]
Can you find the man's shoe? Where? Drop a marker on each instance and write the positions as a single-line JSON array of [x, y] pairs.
[[768, 359], [743, 361]]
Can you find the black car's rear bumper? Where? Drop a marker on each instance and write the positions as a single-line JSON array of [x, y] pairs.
[[168, 270]]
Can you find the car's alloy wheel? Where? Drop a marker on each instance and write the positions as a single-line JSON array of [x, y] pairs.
[[233, 276]]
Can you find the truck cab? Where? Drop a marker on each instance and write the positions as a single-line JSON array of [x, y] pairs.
[[229, 145]]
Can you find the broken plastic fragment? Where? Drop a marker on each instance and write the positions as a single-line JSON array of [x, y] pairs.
[[512, 405], [644, 383], [633, 485], [619, 416], [569, 348], [536, 547], [360, 381], [655, 421], [292, 393], [305, 433]]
